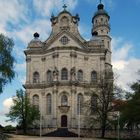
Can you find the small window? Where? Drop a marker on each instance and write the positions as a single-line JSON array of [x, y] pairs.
[[80, 75], [64, 74], [101, 19], [93, 76], [64, 40], [36, 101], [79, 103], [36, 77], [49, 104], [96, 21], [64, 100], [49, 76], [93, 103], [108, 44]]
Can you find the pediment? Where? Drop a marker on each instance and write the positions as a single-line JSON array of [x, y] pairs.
[[65, 39]]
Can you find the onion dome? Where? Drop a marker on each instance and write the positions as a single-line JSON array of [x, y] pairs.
[[36, 35], [101, 11], [35, 43]]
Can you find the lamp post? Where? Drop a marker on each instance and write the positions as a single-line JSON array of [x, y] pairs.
[[40, 119], [79, 120], [118, 115]]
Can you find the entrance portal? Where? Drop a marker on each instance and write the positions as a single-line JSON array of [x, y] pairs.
[[64, 121]]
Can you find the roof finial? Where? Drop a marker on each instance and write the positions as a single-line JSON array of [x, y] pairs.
[[100, 1], [64, 6]]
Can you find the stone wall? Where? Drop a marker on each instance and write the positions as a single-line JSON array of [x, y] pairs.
[[108, 134]]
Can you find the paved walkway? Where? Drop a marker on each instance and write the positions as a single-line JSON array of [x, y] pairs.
[[21, 137]]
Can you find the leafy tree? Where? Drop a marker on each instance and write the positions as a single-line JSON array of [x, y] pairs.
[[130, 112], [9, 128], [7, 72], [22, 111]]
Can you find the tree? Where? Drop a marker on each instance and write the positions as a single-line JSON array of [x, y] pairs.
[[9, 128], [130, 112], [22, 111], [100, 101], [7, 72]]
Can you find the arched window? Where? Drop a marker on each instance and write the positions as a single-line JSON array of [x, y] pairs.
[[79, 103], [64, 74], [93, 76], [49, 104], [49, 76], [93, 103], [36, 101], [36, 77], [80, 75], [64, 100]]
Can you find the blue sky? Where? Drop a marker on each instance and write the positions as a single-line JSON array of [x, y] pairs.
[[19, 19]]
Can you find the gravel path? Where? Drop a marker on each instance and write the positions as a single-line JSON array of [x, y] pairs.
[[21, 137]]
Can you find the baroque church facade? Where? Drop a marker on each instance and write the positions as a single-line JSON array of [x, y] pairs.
[[61, 70]]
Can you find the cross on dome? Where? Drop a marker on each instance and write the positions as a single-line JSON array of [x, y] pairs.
[[64, 6]]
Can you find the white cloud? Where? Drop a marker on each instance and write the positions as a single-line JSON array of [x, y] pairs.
[[71, 4], [124, 65], [122, 52], [11, 12], [22, 79], [7, 103], [26, 33], [15, 19], [3, 121], [119, 64], [46, 8]]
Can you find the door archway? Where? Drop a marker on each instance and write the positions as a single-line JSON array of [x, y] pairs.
[[64, 121]]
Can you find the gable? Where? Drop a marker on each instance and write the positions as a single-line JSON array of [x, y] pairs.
[[65, 39]]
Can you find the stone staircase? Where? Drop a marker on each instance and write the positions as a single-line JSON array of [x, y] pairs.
[[61, 132]]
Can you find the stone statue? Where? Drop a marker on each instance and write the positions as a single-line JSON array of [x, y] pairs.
[[55, 74], [73, 73]]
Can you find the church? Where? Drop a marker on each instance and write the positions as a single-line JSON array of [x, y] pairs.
[[61, 70]]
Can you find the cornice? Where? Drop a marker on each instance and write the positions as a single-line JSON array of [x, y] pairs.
[[86, 51], [58, 83]]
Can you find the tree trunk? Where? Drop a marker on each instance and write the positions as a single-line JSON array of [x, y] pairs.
[[103, 127], [103, 131], [24, 127]]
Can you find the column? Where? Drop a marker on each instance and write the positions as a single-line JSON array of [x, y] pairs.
[[54, 106], [28, 60], [73, 105]]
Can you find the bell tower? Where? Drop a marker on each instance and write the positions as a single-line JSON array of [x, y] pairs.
[[100, 21], [101, 25], [101, 28]]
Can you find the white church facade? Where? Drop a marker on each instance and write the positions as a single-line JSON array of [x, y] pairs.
[[61, 70]]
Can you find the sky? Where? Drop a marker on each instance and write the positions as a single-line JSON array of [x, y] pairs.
[[20, 19]]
